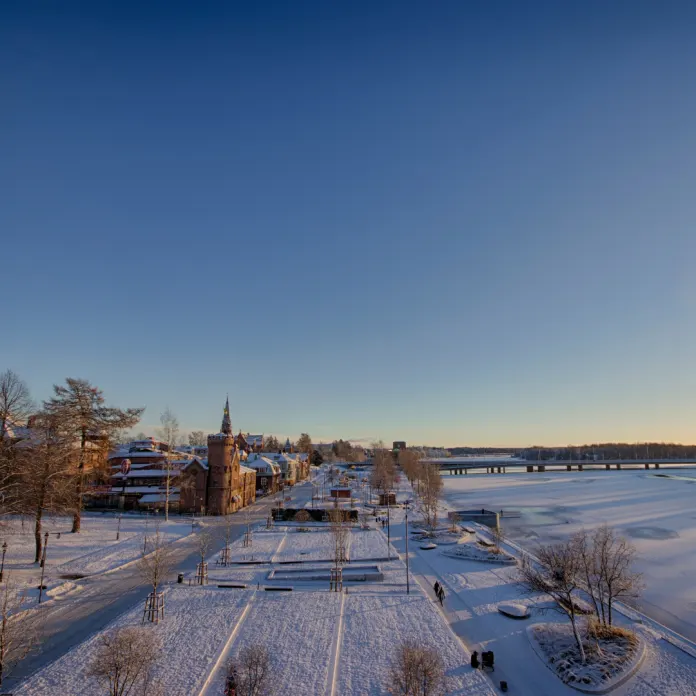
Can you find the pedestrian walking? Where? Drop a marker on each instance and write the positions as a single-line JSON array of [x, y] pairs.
[[442, 595], [436, 587]]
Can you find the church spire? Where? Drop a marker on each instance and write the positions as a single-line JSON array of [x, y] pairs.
[[226, 421]]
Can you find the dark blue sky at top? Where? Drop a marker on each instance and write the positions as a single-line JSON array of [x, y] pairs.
[[447, 222]]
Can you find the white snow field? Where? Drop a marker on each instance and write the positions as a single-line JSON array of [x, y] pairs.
[[93, 550], [342, 644], [197, 624], [373, 626], [321, 642], [654, 509], [298, 628]]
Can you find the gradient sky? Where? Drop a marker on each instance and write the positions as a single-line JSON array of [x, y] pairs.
[[445, 222]]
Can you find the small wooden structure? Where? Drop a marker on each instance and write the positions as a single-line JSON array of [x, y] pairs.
[[387, 498], [341, 492], [336, 579], [202, 574], [154, 607]]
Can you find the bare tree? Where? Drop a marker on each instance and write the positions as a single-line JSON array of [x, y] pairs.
[[251, 674], [197, 438], [417, 670], [591, 572], [19, 629], [204, 542], [125, 661], [430, 492], [155, 563], [45, 480], [408, 461], [557, 574], [607, 570], [80, 409], [169, 434], [617, 580], [15, 401], [340, 531], [15, 408], [383, 470]]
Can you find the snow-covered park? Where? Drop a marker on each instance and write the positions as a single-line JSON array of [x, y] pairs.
[[654, 510], [321, 642], [274, 592], [104, 543]]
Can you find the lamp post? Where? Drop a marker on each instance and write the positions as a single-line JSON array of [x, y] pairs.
[[2, 567], [388, 530], [118, 533], [43, 566], [408, 585]]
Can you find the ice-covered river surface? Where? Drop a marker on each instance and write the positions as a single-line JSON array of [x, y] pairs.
[[655, 511]]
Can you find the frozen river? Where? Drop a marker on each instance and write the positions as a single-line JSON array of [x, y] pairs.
[[656, 511]]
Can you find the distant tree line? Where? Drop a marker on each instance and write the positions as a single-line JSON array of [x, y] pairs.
[[343, 451], [601, 451], [460, 451]]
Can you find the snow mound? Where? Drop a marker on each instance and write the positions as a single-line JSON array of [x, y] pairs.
[[514, 610], [428, 547], [473, 552]]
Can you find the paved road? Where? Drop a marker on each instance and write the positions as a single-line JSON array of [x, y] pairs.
[[71, 620]]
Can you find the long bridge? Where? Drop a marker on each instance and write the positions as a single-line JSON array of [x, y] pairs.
[[502, 466]]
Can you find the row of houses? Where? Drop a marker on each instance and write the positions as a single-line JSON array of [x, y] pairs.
[[220, 478]]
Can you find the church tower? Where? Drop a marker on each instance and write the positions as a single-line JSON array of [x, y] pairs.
[[223, 468]]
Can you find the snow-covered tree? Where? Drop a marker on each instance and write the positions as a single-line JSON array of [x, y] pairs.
[[79, 410]]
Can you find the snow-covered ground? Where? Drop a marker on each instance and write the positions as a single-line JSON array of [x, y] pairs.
[[654, 509], [298, 630], [374, 625], [94, 550], [197, 624], [321, 642]]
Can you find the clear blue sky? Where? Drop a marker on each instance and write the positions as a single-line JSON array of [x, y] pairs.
[[445, 222]]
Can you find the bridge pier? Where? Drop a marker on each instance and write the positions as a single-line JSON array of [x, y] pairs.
[[541, 468], [647, 466], [607, 466], [657, 466], [581, 467], [530, 469], [618, 467], [568, 467]]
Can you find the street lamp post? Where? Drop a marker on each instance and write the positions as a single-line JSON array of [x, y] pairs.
[[388, 530], [118, 532], [43, 566], [408, 585], [2, 567]]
